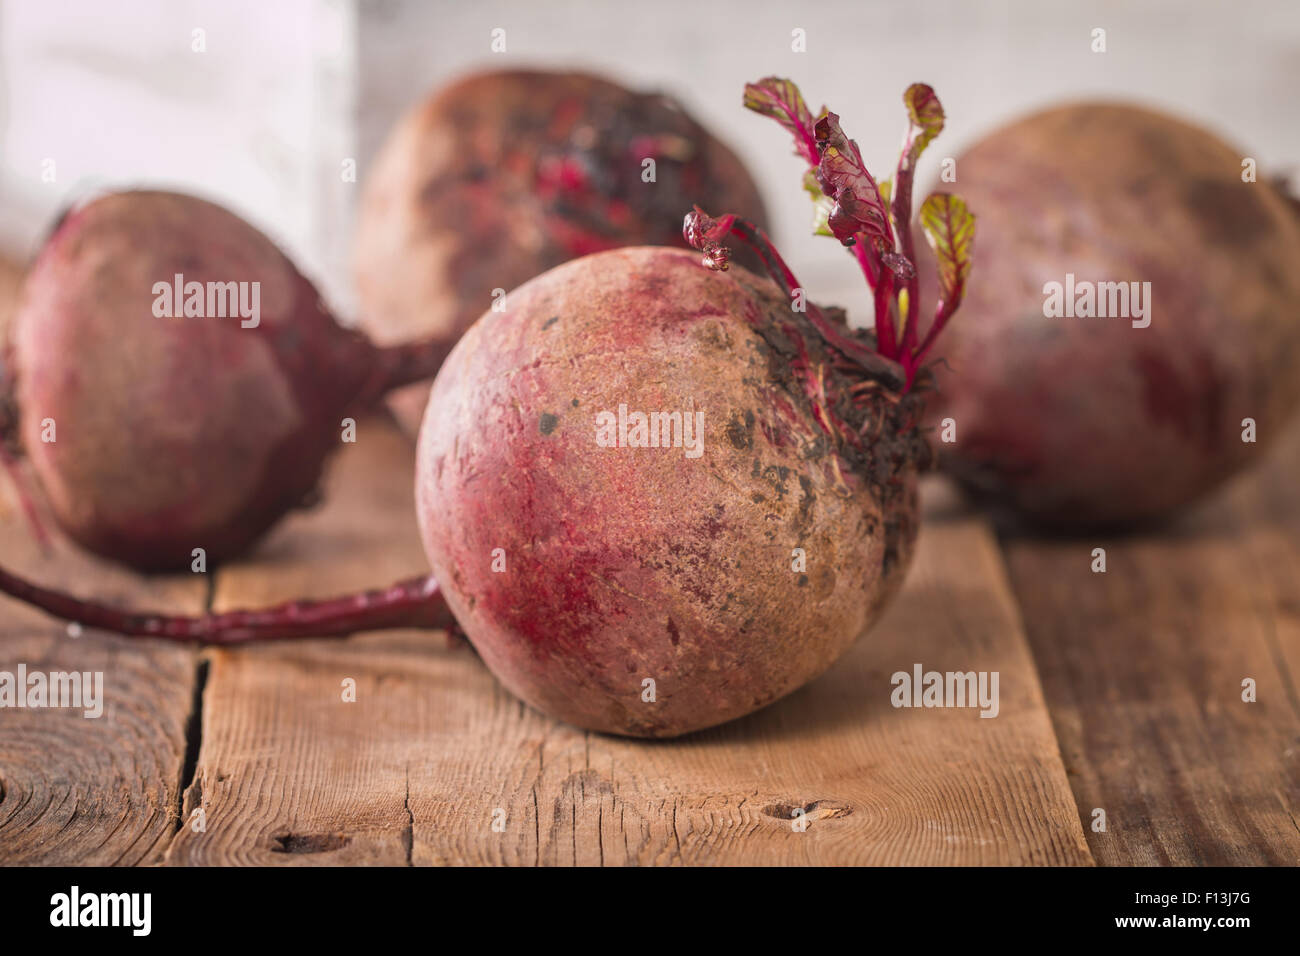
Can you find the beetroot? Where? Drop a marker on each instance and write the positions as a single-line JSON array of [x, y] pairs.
[[176, 433], [660, 496], [1078, 422], [579, 571], [502, 175]]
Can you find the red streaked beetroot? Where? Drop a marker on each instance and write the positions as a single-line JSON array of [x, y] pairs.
[[1080, 422], [171, 434], [502, 175], [618, 565], [655, 583], [589, 576]]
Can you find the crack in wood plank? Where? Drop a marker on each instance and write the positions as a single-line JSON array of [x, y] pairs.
[[330, 781]]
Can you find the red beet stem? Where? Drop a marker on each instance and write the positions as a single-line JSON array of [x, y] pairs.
[[868, 268], [883, 300], [944, 313], [878, 367], [902, 212], [398, 365], [414, 603]]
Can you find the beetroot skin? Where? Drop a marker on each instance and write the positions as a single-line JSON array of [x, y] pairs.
[[503, 175], [622, 564], [173, 433], [1081, 422]]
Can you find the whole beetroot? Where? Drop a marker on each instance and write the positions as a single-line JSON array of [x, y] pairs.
[[634, 584], [621, 564], [1079, 421], [151, 432], [502, 175], [659, 496]]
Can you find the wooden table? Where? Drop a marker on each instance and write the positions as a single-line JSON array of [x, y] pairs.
[[1120, 691]]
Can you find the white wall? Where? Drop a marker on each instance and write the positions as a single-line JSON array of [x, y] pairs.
[[115, 94], [289, 89]]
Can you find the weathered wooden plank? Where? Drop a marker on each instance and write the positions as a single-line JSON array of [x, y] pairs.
[[1143, 668], [78, 790], [878, 785], [433, 751], [287, 770]]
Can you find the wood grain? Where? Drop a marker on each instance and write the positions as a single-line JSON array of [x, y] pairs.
[[878, 785], [77, 790], [1143, 668], [287, 771], [415, 769]]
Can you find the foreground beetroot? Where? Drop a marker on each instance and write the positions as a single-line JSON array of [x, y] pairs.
[[154, 435], [655, 583], [585, 559], [620, 564], [1076, 421], [502, 175]]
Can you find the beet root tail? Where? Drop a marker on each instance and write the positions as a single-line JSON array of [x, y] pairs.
[[413, 603], [406, 364]]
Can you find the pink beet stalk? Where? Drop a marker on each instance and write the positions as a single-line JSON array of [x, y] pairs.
[[405, 364], [706, 234], [414, 603]]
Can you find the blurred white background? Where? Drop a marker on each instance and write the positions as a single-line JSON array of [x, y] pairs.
[[116, 94]]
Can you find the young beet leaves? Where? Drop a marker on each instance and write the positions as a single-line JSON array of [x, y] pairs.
[[869, 218]]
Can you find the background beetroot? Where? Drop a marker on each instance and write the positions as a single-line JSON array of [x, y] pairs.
[[174, 433], [623, 564], [1088, 421], [500, 176]]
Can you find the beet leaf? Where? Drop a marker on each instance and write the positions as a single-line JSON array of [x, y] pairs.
[[949, 228], [844, 178], [781, 100]]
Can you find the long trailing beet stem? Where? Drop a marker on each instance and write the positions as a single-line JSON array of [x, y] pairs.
[[414, 603], [405, 364]]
